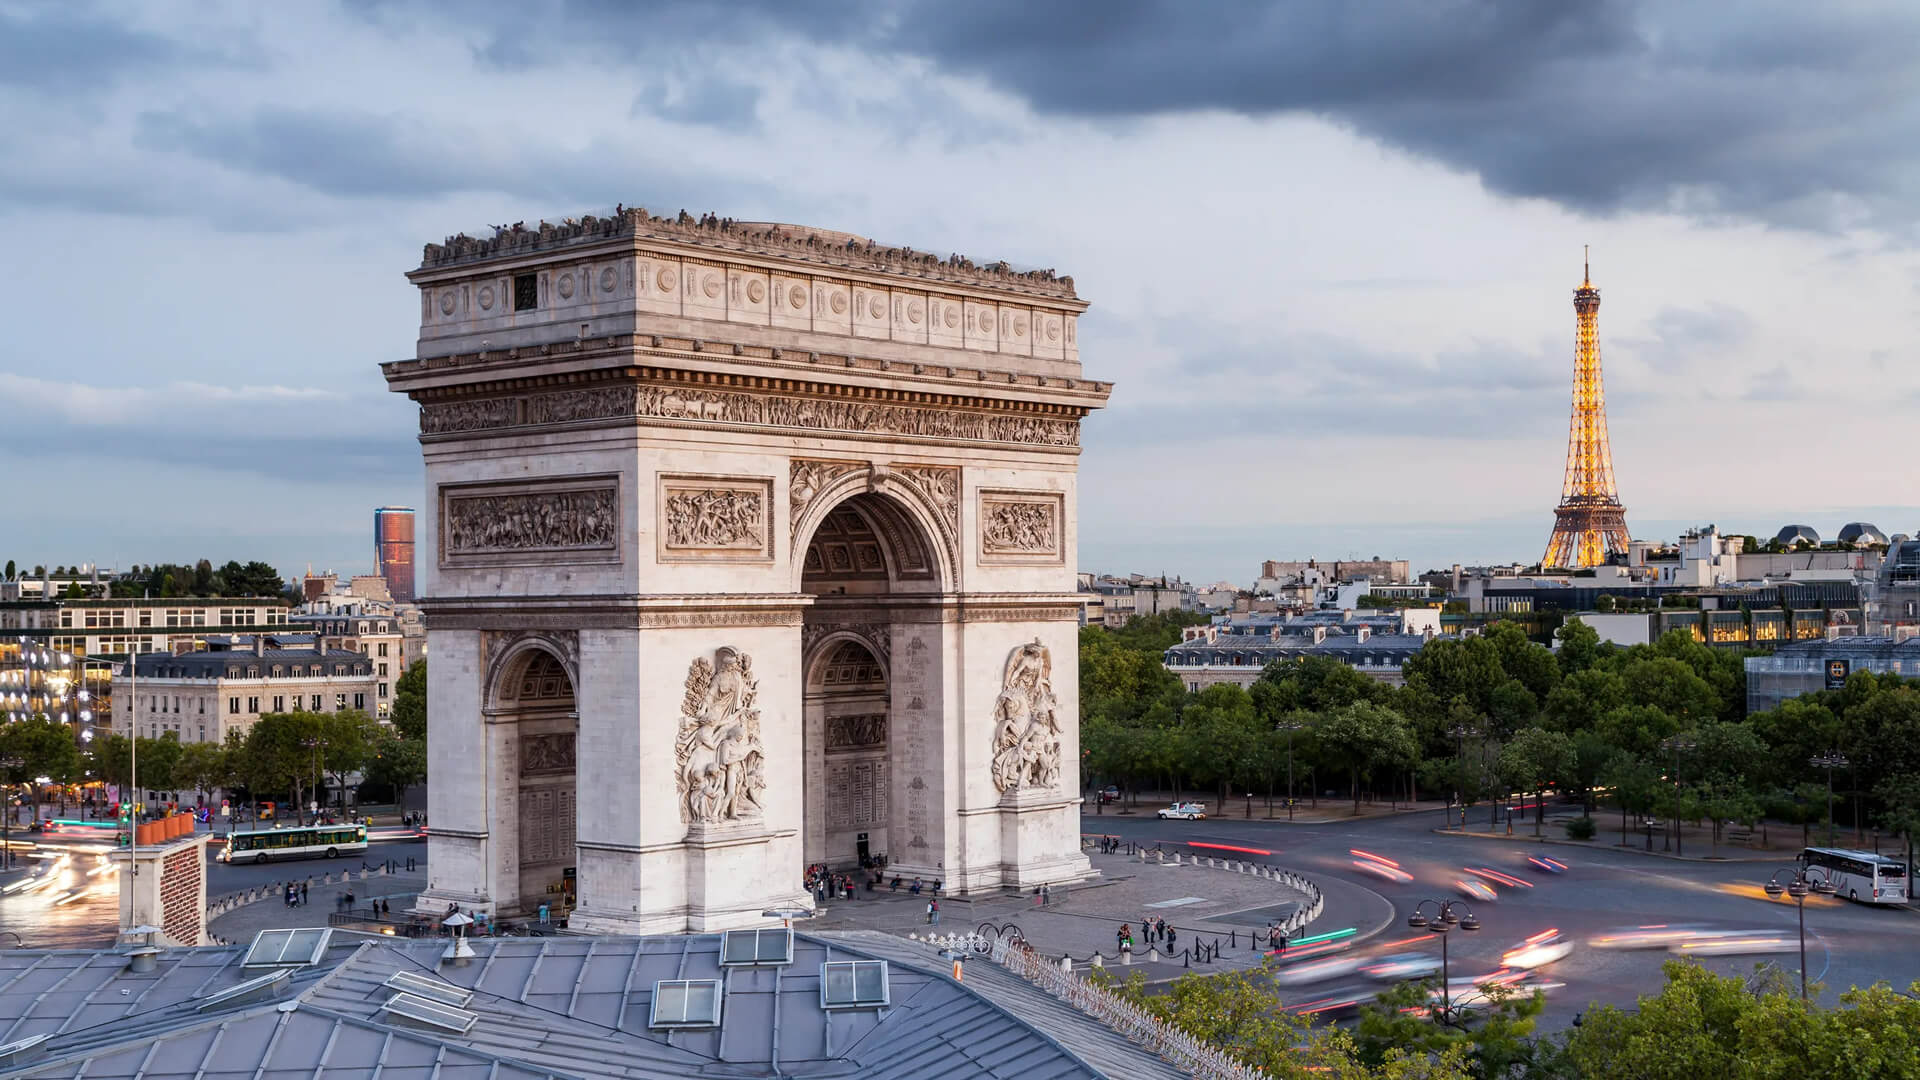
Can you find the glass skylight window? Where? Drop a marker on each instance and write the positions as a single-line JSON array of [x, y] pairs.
[[418, 1008], [756, 947], [683, 1003], [286, 948], [853, 984]]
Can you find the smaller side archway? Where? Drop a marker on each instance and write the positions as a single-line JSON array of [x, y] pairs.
[[535, 716], [846, 745]]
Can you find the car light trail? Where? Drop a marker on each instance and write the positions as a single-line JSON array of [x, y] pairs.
[[1229, 847]]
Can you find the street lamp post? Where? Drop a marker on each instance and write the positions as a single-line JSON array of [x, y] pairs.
[[313, 746], [1678, 744], [1447, 915], [1459, 733], [6, 803], [1829, 761], [1290, 726], [1799, 882]]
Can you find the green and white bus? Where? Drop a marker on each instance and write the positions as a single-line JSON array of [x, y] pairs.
[[296, 842], [1861, 875]]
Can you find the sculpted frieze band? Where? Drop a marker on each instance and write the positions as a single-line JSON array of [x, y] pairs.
[[759, 410]]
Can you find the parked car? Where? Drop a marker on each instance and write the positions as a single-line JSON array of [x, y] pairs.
[[1185, 811], [1110, 793]]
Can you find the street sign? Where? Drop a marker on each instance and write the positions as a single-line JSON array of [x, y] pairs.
[[1837, 672]]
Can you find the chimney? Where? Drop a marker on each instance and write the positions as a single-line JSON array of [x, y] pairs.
[[319, 642], [259, 644]]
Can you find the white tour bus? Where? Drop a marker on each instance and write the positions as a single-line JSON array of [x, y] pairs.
[[1861, 875], [297, 842]]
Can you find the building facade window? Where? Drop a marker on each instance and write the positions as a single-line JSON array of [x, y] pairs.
[[383, 690], [253, 704], [383, 645], [279, 704], [339, 702], [359, 701], [315, 707], [233, 706]]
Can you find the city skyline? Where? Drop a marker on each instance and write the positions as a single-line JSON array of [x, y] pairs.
[[1335, 319]]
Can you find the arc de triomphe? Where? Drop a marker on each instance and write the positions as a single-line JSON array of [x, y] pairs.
[[745, 547]]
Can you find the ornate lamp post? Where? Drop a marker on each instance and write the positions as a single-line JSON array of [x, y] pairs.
[[1831, 760], [1800, 881], [1447, 915], [315, 745]]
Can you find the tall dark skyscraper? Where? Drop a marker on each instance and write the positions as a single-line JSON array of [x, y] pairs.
[[393, 549]]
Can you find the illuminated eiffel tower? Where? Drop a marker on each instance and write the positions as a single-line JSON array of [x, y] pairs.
[[1589, 523]]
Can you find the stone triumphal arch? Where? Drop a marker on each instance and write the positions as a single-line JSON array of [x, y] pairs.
[[745, 547]]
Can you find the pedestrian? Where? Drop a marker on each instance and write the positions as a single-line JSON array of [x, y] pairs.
[[544, 913], [1280, 936], [933, 912], [936, 887], [349, 899], [386, 907], [303, 893], [1170, 936], [915, 887]]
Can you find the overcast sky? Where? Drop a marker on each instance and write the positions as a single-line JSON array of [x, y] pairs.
[[1330, 247]]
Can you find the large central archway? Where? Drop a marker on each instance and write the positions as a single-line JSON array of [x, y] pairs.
[[872, 709]]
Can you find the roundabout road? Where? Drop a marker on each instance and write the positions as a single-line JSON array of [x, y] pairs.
[[1602, 890]]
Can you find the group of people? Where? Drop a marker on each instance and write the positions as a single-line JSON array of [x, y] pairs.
[[824, 884], [1276, 939], [1154, 928], [1109, 845]]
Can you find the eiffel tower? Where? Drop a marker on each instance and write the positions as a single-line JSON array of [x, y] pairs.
[[1589, 524]]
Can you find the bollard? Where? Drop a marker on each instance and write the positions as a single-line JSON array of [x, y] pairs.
[[1098, 961], [1066, 965], [1153, 955]]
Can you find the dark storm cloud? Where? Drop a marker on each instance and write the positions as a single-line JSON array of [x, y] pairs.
[[1795, 114], [1600, 106]]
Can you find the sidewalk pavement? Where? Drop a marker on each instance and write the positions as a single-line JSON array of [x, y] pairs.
[[1697, 841], [272, 913], [1205, 905], [1327, 812]]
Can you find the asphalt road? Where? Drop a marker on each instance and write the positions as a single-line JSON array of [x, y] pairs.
[[55, 918], [1602, 890]]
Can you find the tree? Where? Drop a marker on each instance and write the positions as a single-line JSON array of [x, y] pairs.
[[11, 570], [409, 713], [1220, 733], [1533, 759], [397, 763], [1672, 687], [1580, 646], [1239, 1013], [350, 736], [1703, 1024], [202, 767], [44, 747], [1363, 737]]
